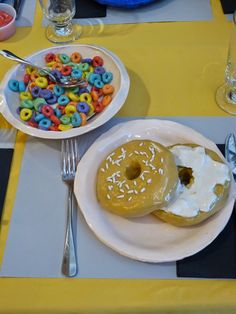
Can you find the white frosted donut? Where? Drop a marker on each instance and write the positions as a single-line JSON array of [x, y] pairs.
[[136, 178], [205, 186]]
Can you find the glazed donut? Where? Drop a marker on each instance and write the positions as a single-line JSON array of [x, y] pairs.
[[136, 178], [203, 189]]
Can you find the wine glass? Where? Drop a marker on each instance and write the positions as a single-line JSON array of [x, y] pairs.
[[60, 13], [226, 94]]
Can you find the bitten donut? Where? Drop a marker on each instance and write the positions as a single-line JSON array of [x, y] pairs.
[[204, 186], [136, 178]]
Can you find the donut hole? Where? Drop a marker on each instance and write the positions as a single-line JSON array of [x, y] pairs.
[[133, 170], [186, 176]]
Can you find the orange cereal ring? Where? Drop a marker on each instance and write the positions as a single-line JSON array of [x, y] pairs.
[[31, 85], [106, 100], [57, 58], [76, 57], [50, 86], [107, 89], [34, 75], [94, 95], [73, 103], [53, 128], [57, 66], [84, 118]]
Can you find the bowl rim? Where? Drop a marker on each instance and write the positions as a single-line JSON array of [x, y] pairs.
[[2, 5], [100, 119]]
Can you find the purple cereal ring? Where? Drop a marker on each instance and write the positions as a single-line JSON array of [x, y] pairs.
[[52, 100], [87, 60], [83, 90], [56, 73], [99, 70], [45, 93], [35, 91], [83, 107]]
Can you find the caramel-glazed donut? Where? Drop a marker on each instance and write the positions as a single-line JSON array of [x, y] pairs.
[[136, 178], [204, 188]]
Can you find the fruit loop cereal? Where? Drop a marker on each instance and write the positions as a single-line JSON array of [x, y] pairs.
[[47, 106]]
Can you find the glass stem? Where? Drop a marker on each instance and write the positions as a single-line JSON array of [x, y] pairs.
[[63, 29]]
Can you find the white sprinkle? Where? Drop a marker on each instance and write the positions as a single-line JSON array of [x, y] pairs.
[[151, 166], [135, 192], [106, 165], [162, 159], [161, 171], [141, 144], [120, 196], [135, 183], [131, 154], [122, 191], [102, 169], [144, 153], [130, 191], [136, 152], [142, 190], [108, 196], [149, 181], [109, 157], [120, 183], [130, 198], [127, 186], [145, 162], [110, 187]]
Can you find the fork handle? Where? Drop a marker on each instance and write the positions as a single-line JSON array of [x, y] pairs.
[[69, 263]]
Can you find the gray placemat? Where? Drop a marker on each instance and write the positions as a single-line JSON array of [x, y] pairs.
[[36, 234]]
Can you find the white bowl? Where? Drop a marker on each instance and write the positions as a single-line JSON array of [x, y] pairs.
[[8, 30], [9, 101]]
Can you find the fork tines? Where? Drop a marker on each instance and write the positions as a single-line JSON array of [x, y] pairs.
[[69, 151]]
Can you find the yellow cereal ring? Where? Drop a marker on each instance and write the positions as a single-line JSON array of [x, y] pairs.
[[91, 110], [70, 110], [29, 69], [42, 82], [64, 127], [85, 97], [25, 96], [26, 114], [50, 64], [73, 96]]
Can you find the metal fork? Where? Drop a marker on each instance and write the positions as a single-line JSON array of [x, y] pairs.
[[70, 158]]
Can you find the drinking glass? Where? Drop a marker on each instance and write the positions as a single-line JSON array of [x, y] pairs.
[[226, 94], [60, 14]]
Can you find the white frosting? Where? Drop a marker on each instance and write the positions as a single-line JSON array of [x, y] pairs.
[[206, 173]]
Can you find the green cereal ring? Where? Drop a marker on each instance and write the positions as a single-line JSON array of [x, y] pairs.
[[27, 103], [64, 58], [84, 67], [65, 119], [39, 102]]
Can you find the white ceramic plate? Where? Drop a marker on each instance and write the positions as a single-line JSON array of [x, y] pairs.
[[146, 239], [9, 101]]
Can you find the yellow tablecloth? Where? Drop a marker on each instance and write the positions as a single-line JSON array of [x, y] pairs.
[[174, 70]]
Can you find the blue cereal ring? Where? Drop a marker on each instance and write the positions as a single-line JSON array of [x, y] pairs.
[[76, 119], [94, 77], [63, 100], [58, 90], [98, 84], [39, 117], [83, 107], [107, 77], [45, 123], [22, 86], [76, 73], [13, 85], [57, 112], [87, 60]]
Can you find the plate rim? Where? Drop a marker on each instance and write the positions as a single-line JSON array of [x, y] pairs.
[[210, 144]]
